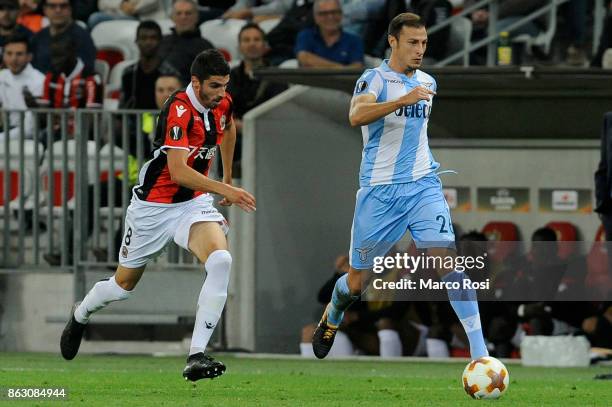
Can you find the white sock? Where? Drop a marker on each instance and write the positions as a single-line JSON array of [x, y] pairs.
[[306, 350], [390, 343], [103, 293], [437, 348], [342, 345], [212, 299]]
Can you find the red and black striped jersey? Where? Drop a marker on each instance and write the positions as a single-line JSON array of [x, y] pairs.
[[184, 124]]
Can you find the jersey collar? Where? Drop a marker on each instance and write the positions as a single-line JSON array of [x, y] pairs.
[[194, 100], [385, 67]]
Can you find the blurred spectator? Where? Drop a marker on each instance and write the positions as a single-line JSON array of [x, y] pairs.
[[138, 80], [59, 13], [510, 11], [126, 10], [9, 9], [576, 19], [20, 84], [282, 37], [605, 44], [358, 14], [211, 9], [181, 47], [327, 45], [246, 90], [82, 9], [258, 11], [30, 15], [69, 83], [598, 327], [603, 179]]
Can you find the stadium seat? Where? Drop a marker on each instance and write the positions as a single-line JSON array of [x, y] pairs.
[[115, 40], [268, 25], [543, 39], [223, 34], [501, 232], [13, 186], [598, 278], [102, 68], [568, 235]]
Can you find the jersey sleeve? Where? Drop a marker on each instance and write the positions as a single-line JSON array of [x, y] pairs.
[[177, 126], [369, 82]]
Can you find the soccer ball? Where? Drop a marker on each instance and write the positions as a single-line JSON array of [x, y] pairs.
[[485, 378]]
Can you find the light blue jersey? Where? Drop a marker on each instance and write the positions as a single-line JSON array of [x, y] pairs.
[[395, 147], [399, 189]]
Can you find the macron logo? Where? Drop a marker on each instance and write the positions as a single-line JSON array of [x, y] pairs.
[[180, 110]]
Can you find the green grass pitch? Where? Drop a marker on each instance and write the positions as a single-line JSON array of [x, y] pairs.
[[156, 381]]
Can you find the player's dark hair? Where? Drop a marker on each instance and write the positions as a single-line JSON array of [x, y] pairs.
[[169, 74], [149, 25], [17, 39], [209, 63], [249, 26], [404, 20]]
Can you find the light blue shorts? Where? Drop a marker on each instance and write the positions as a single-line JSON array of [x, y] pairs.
[[384, 213]]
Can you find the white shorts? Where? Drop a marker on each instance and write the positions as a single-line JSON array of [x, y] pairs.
[[150, 226]]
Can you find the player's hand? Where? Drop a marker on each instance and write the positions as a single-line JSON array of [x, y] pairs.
[[416, 95], [240, 197]]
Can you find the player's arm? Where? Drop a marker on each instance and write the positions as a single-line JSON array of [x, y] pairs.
[[364, 109], [187, 177]]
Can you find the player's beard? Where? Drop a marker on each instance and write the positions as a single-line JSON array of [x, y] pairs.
[[209, 102]]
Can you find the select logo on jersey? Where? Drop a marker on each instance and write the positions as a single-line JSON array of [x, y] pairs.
[[124, 252], [361, 86], [222, 122], [180, 110], [420, 110], [363, 252], [176, 133]]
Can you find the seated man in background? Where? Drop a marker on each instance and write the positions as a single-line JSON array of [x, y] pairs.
[[326, 45], [138, 80], [181, 47], [20, 84], [9, 9], [246, 90], [59, 13]]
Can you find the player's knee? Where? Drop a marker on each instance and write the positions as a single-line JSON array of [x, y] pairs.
[[219, 260], [589, 325], [127, 285], [218, 267]]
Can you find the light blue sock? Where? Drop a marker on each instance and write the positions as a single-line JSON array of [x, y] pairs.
[[341, 300], [465, 304]]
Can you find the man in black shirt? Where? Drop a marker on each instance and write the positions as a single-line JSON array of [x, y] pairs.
[[247, 91], [138, 80], [181, 47]]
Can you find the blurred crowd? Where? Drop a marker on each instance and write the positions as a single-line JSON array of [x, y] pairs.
[[50, 60]]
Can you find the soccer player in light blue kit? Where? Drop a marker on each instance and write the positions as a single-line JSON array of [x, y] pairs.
[[399, 188]]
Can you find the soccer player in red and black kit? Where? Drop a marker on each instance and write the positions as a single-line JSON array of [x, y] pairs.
[[173, 201]]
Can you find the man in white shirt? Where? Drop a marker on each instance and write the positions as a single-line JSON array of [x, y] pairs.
[[20, 85]]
